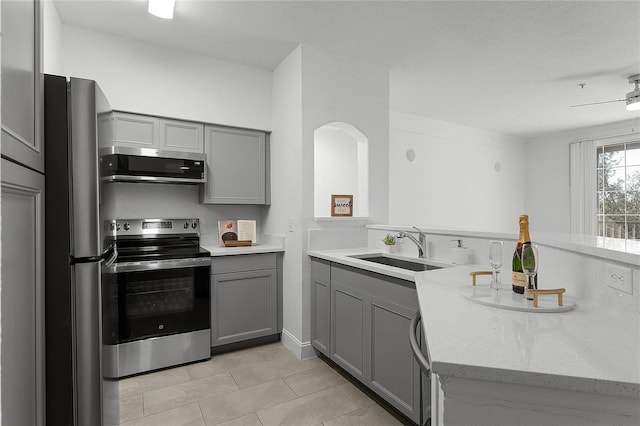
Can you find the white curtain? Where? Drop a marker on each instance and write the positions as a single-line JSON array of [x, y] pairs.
[[582, 159]]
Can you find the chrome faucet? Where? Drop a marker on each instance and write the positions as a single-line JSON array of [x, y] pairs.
[[421, 241]]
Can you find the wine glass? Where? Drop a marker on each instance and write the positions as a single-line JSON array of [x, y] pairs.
[[495, 260], [529, 261]]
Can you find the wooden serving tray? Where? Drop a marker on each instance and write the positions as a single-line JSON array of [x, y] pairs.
[[507, 299], [237, 243]]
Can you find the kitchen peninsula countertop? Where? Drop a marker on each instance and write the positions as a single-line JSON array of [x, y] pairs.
[[587, 349]]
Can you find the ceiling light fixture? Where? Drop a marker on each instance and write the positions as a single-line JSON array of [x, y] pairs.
[[633, 98], [162, 8]]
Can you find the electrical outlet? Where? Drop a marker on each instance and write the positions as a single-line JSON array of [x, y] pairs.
[[620, 278]]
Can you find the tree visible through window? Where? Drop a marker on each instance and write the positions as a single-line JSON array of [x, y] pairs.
[[618, 171]]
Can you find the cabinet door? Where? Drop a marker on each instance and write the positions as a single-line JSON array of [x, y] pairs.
[[183, 136], [133, 130], [22, 295], [22, 83], [393, 372], [243, 306], [347, 329], [236, 163], [320, 304]]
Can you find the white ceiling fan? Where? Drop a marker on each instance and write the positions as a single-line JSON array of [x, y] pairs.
[[632, 99]]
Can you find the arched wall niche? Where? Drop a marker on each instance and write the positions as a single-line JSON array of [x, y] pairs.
[[341, 166]]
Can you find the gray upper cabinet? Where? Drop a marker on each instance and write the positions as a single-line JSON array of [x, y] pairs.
[[237, 166], [22, 83], [244, 298], [182, 136], [22, 295], [134, 130], [146, 131]]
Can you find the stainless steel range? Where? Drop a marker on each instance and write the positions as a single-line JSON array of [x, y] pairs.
[[156, 296]]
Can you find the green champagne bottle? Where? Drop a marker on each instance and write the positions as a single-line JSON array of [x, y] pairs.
[[518, 278]]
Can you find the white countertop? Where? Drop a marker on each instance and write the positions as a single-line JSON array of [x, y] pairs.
[[583, 350], [616, 249], [216, 250]]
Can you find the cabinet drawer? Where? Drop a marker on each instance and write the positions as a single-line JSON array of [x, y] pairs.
[[392, 289], [243, 262], [321, 270]]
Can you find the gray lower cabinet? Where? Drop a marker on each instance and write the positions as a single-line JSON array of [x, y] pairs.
[[369, 318], [348, 309], [244, 299], [22, 295], [320, 304], [393, 372]]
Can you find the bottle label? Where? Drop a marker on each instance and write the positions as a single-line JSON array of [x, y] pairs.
[[518, 279]]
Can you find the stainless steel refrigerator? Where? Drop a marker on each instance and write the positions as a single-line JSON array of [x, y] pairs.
[[76, 117]]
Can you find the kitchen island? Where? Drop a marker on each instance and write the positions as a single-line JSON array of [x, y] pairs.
[[492, 366]]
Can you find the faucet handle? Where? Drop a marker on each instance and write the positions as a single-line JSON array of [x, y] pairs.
[[418, 229]]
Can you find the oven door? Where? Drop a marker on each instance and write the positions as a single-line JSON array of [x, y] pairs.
[[153, 299]]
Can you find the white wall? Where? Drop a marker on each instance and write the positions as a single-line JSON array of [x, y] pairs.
[[174, 201], [453, 182], [336, 168], [52, 39], [336, 88], [284, 215], [147, 78], [547, 164], [312, 88]]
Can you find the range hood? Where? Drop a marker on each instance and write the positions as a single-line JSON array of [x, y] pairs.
[[124, 164]]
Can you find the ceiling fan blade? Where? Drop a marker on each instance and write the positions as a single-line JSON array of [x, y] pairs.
[[597, 103]]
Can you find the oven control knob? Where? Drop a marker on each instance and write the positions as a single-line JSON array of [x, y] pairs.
[[194, 225], [117, 226], [127, 226], [186, 225]]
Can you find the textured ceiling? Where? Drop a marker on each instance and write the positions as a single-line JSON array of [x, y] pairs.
[[509, 66]]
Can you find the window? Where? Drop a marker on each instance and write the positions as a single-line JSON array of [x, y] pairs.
[[618, 192]]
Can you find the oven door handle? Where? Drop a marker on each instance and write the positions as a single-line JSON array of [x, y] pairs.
[[159, 264], [108, 257]]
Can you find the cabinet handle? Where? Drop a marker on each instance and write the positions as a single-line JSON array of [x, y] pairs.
[[424, 364]]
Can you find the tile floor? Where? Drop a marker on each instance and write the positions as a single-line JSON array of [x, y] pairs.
[[265, 385]]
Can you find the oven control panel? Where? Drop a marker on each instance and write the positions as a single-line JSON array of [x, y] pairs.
[[151, 226]]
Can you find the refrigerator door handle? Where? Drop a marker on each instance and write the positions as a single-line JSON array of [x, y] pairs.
[[108, 257]]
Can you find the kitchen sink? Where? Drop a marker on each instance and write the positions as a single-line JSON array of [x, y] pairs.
[[398, 263]]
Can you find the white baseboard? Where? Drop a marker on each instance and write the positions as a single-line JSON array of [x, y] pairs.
[[302, 350]]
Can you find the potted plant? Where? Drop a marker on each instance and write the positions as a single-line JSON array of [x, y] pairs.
[[390, 242]]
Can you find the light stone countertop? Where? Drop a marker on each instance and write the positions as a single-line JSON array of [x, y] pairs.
[[615, 249], [266, 244], [216, 250], [585, 349]]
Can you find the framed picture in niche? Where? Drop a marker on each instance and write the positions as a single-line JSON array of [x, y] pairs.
[[341, 205]]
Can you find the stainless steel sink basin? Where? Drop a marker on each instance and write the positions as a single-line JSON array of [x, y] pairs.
[[398, 263]]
